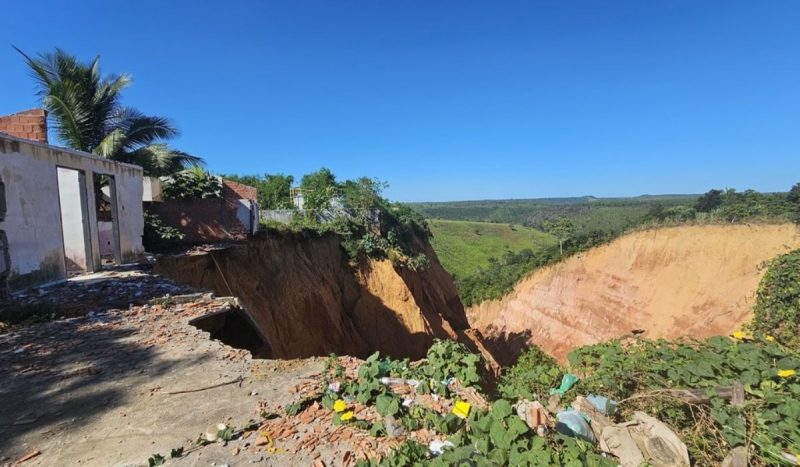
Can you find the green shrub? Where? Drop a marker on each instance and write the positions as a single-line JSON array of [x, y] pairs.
[[638, 372], [158, 235], [531, 377], [194, 183], [777, 308]]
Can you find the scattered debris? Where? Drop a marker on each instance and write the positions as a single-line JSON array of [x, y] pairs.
[[437, 446], [573, 423], [238, 379], [534, 415], [26, 457], [567, 382]]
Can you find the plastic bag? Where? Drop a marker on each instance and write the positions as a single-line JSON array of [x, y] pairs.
[[572, 423]]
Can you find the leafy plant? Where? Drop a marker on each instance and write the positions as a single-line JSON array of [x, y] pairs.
[[449, 359], [156, 459], [531, 377], [157, 235], [194, 183], [777, 308], [769, 420]]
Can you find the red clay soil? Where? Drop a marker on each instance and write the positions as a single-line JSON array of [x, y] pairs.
[[307, 300], [693, 281]]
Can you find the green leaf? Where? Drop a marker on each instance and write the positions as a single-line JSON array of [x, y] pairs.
[[501, 409]]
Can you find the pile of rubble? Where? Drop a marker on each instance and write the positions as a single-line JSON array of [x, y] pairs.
[[119, 288], [312, 432]]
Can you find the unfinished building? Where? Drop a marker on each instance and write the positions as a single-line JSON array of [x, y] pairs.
[[64, 212]]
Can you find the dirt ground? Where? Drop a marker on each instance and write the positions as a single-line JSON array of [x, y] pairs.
[[112, 386]]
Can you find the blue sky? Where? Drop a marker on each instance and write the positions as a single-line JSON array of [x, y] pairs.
[[453, 100]]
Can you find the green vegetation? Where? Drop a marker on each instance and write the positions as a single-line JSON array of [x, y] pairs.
[[482, 437], [367, 224], [777, 308], [274, 190], [588, 214], [531, 377], [319, 189], [483, 270], [499, 277], [562, 229], [732, 206], [86, 113], [483, 273], [157, 235], [464, 246], [194, 183], [638, 374]]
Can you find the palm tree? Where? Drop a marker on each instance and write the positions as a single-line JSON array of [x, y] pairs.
[[86, 114]]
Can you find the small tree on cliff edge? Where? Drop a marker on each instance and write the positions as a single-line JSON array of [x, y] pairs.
[[561, 228], [87, 115]]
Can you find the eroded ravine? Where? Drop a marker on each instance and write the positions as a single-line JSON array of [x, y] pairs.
[[307, 300], [695, 281]]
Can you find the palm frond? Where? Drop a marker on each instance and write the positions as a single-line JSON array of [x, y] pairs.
[[142, 130], [112, 144], [159, 159]]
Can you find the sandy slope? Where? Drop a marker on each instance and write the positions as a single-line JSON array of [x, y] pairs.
[[670, 282]]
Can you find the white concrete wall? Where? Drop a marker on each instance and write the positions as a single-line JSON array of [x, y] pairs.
[[105, 233], [152, 189], [33, 220], [73, 218], [244, 212]]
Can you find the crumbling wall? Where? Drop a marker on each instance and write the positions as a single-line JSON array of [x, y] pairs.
[[202, 220], [32, 222], [308, 300], [233, 216], [29, 124]]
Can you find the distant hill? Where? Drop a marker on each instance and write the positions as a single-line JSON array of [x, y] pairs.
[[587, 212], [465, 246]]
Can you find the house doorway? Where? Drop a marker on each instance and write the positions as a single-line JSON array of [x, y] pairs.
[[107, 219], [74, 221]]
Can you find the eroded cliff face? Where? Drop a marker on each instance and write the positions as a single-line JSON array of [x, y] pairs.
[[693, 281], [307, 300]]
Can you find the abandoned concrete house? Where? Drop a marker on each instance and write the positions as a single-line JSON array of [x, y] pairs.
[[62, 212]]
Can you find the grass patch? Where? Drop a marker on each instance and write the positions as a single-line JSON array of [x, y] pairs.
[[463, 247]]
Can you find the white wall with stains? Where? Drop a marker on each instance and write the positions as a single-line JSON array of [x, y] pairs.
[[32, 222]]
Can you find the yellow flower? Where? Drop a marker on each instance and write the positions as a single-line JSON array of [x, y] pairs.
[[461, 409], [339, 405], [346, 416], [741, 335], [770, 339], [786, 373]]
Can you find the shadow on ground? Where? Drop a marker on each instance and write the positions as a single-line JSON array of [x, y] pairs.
[[60, 375], [507, 347]]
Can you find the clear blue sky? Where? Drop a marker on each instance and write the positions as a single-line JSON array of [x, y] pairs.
[[451, 100]]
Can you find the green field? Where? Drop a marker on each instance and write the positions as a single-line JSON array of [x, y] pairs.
[[464, 246], [587, 213]]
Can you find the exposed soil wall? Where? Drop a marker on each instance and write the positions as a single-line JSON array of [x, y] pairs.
[[307, 300], [682, 281]]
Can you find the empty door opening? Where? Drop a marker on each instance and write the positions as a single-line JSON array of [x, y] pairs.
[[107, 219], [74, 221]]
